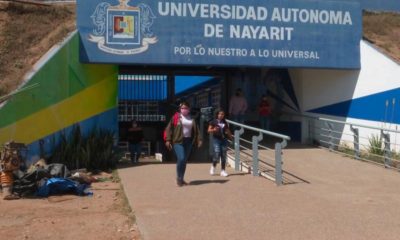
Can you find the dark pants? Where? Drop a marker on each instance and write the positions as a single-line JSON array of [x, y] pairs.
[[264, 122], [239, 118], [135, 149]]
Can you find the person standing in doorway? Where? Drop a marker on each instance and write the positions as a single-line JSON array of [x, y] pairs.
[[264, 112], [181, 134], [135, 139], [219, 129], [237, 106]]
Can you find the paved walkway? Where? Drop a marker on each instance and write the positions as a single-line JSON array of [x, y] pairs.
[[334, 198]]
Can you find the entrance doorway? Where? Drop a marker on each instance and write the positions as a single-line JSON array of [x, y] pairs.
[[151, 97]]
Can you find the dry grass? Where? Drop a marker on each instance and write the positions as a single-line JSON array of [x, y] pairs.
[[26, 33], [383, 30]]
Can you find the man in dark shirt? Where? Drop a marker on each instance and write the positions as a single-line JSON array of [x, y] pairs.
[[135, 138]]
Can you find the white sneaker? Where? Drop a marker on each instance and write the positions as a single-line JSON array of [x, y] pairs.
[[212, 170], [223, 173]]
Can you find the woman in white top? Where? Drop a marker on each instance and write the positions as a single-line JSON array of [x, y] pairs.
[[181, 134]]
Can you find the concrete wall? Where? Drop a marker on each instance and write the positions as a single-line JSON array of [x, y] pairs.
[[369, 96], [61, 92]]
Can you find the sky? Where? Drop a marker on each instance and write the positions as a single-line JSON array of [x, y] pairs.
[[383, 5], [183, 83]]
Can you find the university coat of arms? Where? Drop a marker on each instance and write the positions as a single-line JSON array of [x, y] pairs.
[[123, 29]]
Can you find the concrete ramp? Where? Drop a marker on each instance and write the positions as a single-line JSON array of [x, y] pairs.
[[338, 198]]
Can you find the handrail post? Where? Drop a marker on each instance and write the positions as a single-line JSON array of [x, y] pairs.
[[256, 140], [330, 131], [238, 132], [386, 152], [356, 142], [202, 120], [310, 135], [278, 162]]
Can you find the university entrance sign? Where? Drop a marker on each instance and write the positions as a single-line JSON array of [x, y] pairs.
[[221, 33]]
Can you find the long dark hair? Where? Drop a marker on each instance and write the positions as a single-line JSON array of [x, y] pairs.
[[217, 111], [238, 92]]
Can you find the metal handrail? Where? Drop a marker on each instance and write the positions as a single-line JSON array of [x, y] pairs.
[[239, 150], [274, 134], [255, 149], [326, 134], [358, 125], [328, 137]]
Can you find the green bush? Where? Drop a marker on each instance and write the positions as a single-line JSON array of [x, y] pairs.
[[94, 152], [375, 145]]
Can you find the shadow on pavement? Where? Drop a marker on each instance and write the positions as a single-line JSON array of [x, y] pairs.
[[238, 174], [200, 182]]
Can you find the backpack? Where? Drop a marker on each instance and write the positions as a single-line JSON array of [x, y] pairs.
[[224, 133], [175, 120]]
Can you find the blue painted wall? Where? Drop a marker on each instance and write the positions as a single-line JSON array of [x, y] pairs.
[[106, 120], [380, 107]]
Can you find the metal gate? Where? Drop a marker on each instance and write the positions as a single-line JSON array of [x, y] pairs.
[[140, 97]]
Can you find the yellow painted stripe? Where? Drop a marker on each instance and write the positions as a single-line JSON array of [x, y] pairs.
[[90, 102]]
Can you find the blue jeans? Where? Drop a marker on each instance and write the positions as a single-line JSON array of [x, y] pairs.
[[220, 147], [135, 149], [182, 152]]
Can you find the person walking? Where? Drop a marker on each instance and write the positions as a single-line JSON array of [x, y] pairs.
[[264, 112], [219, 129], [135, 138], [237, 106], [182, 133]]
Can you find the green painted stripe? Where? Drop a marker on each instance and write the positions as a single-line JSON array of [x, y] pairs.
[[90, 102]]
